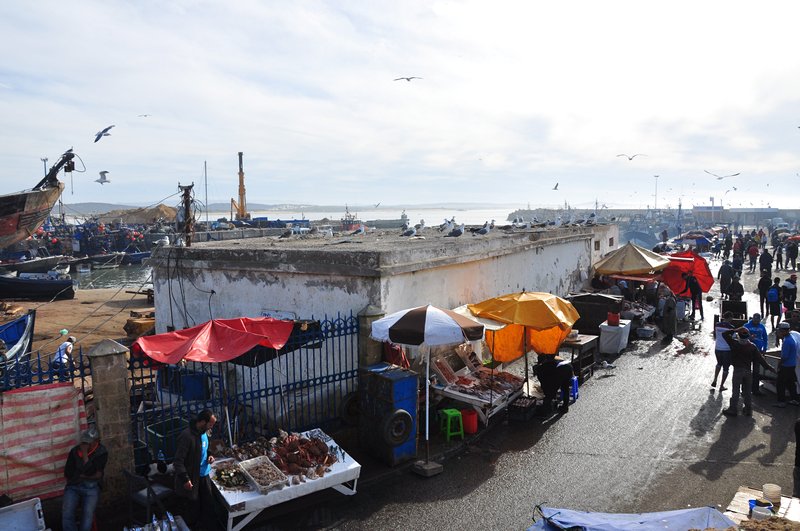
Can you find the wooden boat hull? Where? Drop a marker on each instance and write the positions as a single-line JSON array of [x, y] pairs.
[[23, 212]]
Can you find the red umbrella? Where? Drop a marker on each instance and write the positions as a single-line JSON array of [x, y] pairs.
[[687, 262]]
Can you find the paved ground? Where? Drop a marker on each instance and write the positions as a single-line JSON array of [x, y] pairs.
[[648, 435]]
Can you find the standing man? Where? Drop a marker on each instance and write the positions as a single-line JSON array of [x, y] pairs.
[[765, 261], [758, 336], [778, 256], [192, 467], [693, 287], [669, 317], [722, 350], [752, 254], [786, 367], [743, 355], [725, 276], [774, 304], [791, 255], [62, 361], [789, 292], [764, 284], [84, 471]]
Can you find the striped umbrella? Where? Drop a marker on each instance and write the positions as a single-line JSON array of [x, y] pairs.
[[430, 326], [426, 324]]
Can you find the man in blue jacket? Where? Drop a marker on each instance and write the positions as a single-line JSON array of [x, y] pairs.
[[758, 336], [786, 367]]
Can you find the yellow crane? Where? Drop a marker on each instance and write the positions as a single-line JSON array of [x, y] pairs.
[[239, 210]]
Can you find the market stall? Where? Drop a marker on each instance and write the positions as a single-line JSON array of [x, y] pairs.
[[260, 475]]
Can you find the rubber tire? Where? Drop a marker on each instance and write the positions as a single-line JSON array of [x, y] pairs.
[[396, 427], [350, 409]]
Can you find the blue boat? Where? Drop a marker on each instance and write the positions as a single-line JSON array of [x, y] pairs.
[[134, 256], [18, 337]]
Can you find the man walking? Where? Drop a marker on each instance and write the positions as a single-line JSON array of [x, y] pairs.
[[192, 468], [765, 261], [696, 292], [764, 284], [758, 336], [786, 367], [743, 355], [789, 292], [774, 304], [725, 276], [722, 350]]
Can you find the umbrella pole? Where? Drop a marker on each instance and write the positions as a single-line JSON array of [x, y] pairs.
[[525, 350], [427, 407]]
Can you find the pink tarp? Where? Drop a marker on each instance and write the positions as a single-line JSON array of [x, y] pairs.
[[215, 341]]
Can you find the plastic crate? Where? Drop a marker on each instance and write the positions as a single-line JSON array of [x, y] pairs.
[[23, 516], [522, 409], [278, 483], [163, 436]]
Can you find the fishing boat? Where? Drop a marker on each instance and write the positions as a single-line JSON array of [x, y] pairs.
[[40, 264], [349, 221], [37, 286], [107, 260], [18, 337], [134, 256], [21, 213]]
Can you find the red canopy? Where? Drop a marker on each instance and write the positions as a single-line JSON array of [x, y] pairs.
[[215, 341], [687, 262]]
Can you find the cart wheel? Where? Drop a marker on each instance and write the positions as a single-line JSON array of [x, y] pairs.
[[350, 409], [396, 427]]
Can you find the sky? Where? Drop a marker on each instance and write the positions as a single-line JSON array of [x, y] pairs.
[[514, 98]]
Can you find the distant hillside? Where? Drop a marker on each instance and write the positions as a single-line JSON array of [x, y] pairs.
[[91, 209]]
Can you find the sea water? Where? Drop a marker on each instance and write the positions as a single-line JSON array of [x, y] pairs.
[[130, 277]]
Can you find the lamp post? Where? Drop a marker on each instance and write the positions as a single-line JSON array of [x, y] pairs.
[[44, 162], [655, 205]]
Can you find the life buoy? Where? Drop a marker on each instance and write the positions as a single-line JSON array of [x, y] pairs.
[[396, 427]]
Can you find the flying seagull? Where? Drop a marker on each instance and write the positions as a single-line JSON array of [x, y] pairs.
[[555, 187], [631, 157], [103, 179], [104, 132], [144, 115], [407, 78], [377, 205], [720, 177]]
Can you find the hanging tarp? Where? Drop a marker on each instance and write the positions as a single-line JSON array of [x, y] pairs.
[[687, 262], [631, 259], [214, 341]]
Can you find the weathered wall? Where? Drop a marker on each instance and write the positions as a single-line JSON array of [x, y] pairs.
[[251, 279]]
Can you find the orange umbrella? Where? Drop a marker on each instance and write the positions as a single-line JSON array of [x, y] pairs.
[[543, 318]]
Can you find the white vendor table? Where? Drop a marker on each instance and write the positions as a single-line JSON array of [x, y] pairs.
[[484, 408], [614, 338], [248, 504]]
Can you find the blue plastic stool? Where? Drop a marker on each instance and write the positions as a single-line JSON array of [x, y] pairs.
[[573, 391]]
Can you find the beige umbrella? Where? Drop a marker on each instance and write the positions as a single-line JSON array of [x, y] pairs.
[[631, 260]]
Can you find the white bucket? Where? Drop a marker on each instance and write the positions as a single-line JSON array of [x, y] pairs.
[[772, 492]]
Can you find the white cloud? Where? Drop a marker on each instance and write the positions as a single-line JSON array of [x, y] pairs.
[[515, 96]]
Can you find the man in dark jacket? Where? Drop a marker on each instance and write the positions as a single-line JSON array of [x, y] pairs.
[[725, 276], [192, 467], [764, 283], [554, 374], [743, 354], [84, 471], [696, 292], [765, 261]]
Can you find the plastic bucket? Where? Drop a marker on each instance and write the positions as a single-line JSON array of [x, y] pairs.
[[761, 513], [470, 419], [613, 319], [772, 492]]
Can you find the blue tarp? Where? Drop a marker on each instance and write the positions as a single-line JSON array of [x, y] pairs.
[[699, 518]]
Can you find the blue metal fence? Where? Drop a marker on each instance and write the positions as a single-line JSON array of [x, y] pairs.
[[35, 369], [298, 387]]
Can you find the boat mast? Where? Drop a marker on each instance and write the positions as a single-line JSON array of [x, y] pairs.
[[205, 179]]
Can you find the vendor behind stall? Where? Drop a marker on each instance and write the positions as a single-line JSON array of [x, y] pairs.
[[554, 374]]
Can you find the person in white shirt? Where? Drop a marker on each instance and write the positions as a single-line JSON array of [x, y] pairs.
[[62, 360]]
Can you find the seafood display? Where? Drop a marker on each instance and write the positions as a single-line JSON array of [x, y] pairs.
[[296, 455], [264, 474], [487, 384], [228, 475]]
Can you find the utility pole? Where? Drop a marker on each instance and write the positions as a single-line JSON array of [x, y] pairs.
[[655, 206], [188, 219]]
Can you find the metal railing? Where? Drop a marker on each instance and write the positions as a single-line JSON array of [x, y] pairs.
[[295, 388], [36, 368]]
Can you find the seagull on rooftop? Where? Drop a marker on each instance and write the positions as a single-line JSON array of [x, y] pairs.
[[720, 177], [631, 157], [456, 232], [102, 133], [407, 78]]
